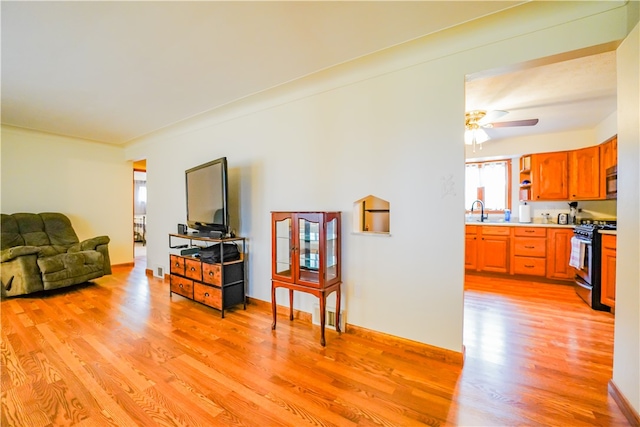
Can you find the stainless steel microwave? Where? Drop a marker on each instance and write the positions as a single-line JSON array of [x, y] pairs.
[[612, 182]]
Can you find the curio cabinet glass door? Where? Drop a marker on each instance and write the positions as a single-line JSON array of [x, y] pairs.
[[306, 248]]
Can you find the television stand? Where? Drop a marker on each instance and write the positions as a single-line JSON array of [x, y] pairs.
[[218, 285]]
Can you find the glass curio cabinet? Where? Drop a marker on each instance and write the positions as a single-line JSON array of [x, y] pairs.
[[306, 258]]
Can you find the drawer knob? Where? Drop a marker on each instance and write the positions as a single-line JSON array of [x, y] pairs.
[[180, 284], [177, 265], [206, 294], [211, 273], [530, 247], [193, 269], [529, 266]]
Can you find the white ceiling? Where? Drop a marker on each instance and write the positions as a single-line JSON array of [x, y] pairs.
[[573, 94], [115, 71]]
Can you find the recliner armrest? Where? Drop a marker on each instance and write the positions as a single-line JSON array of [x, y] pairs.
[[89, 244], [16, 251]]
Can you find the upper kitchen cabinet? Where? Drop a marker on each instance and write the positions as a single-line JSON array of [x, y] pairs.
[[569, 175], [584, 174], [609, 153], [549, 176]]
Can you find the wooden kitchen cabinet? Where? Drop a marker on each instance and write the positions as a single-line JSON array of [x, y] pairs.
[[609, 153], [608, 272], [493, 249], [584, 174], [519, 250], [529, 251], [471, 247], [558, 254], [549, 180], [608, 159], [305, 248], [487, 248]]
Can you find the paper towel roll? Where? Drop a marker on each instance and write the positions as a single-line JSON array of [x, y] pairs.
[[525, 213]]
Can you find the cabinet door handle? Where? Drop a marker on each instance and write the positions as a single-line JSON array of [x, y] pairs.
[[530, 247], [193, 269], [529, 266], [211, 273], [177, 264]]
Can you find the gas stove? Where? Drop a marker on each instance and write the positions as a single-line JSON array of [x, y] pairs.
[[598, 224]]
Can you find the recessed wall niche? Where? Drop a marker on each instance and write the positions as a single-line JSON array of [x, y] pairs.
[[371, 215]]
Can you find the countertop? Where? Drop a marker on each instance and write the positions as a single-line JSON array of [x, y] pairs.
[[519, 224]]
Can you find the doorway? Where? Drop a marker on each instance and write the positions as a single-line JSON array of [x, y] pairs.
[[524, 100], [140, 211]]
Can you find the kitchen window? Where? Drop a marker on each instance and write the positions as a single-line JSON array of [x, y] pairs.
[[489, 182]]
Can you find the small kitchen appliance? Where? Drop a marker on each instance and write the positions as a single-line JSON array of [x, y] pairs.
[[563, 218]]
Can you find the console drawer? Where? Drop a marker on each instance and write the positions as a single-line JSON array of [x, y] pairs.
[[193, 269], [177, 264], [529, 266], [208, 295], [211, 273], [182, 286]]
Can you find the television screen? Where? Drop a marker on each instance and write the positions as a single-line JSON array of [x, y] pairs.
[[207, 208]]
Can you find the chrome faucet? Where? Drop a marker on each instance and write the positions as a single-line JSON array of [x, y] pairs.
[[482, 217]]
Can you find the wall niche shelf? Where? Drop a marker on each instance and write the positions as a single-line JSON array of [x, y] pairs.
[[371, 215]]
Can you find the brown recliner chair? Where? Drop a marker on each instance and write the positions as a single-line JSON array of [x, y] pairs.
[[42, 252]]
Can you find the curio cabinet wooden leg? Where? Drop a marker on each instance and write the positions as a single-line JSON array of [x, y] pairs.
[[290, 304], [273, 305]]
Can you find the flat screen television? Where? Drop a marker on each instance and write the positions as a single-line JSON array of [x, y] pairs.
[[207, 205]]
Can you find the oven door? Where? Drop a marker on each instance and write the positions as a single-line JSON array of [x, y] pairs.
[[583, 279]]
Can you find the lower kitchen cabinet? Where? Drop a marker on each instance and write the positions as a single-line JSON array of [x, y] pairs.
[[558, 254], [519, 250], [608, 272], [471, 247], [529, 251], [493, 249]]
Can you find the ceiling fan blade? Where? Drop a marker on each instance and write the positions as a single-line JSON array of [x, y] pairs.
[[491, 116], [513, 123]]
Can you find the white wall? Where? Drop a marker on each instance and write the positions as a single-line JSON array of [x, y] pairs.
[[626, 359], [89, 182], [389, 124]]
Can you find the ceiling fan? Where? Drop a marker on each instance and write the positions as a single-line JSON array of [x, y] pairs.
[[477, 120]]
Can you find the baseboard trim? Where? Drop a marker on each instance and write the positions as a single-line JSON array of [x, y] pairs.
[[632, 416], [126, 264], [437, 353], [266, 306], [433, 352], [149, 272]]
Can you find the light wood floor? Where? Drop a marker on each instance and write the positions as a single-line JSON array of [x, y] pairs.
[[119, 352]]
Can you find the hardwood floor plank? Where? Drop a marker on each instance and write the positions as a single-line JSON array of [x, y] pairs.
[[102, 398], [120, 352]]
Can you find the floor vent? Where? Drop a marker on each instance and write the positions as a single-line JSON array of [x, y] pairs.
[[330, 317], [159, 272]]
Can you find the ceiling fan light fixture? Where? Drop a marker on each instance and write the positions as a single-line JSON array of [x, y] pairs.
[[474, 135], [479, 134]]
